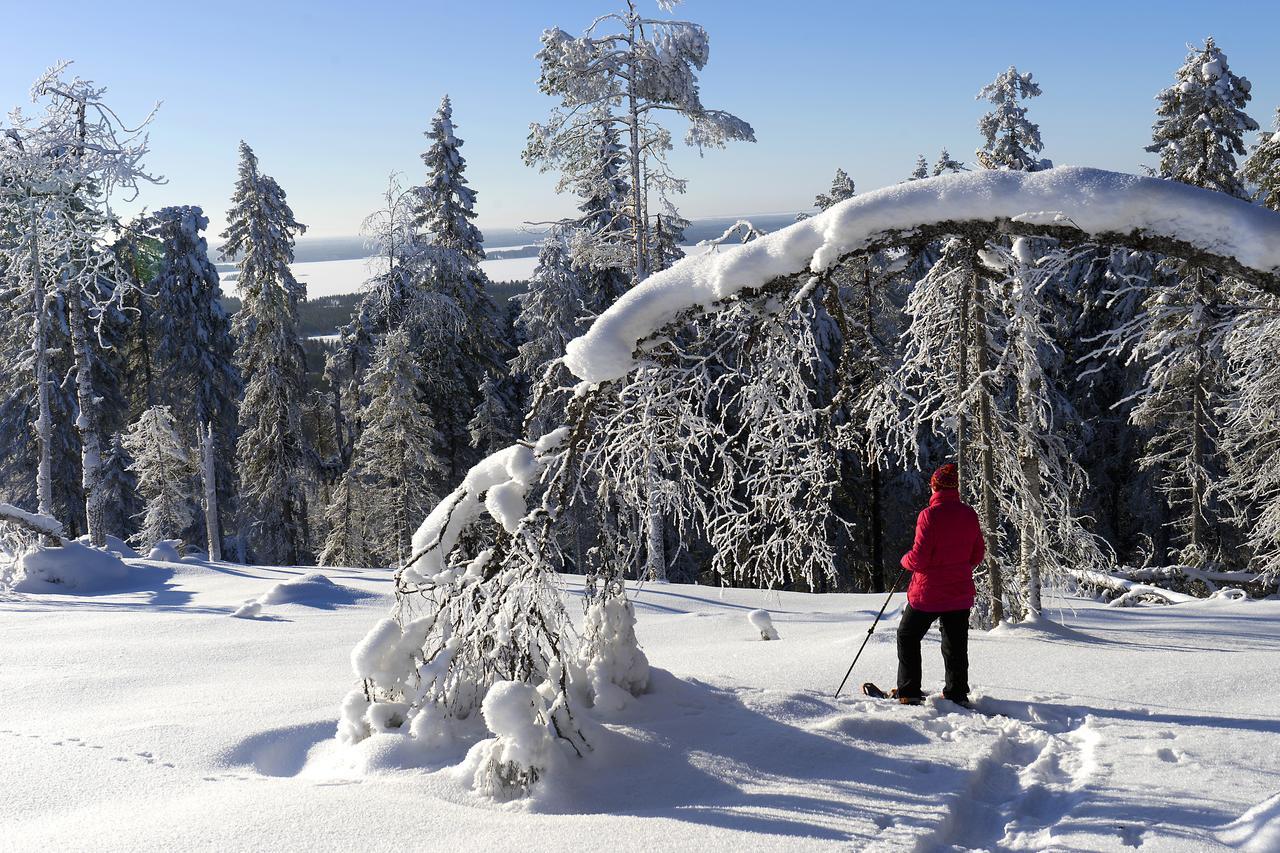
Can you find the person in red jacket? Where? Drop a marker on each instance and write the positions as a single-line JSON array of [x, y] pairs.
[[947, 547]]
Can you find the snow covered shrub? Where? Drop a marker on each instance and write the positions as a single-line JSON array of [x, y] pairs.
[[164, 469], [475, 606], [507, 766], [763, 622], [615, 666], [72, 568]]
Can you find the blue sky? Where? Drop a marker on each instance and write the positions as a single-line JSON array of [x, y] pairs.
[[334, 96]]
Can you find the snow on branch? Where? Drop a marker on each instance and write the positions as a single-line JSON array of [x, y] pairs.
[[1210, 228], [42, 524]]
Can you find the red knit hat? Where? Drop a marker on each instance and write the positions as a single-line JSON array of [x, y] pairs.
[[946, 477]]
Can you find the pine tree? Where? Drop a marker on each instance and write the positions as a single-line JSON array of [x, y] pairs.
[[1011, 140], [348, 521], [164, 470], [394, 454], [120, 483], [626, 77], [496, 423], [448, 203], [666, 240], [921, 170], [1200, 123], [269, 455], [599, 239], [1262, 169], [551, 313], [192, 351], [841, 189], [946, 164]]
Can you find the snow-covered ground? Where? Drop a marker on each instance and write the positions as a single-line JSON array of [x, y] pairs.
[[154, 720]]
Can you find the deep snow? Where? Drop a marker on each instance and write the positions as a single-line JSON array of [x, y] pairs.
[[150, 720]]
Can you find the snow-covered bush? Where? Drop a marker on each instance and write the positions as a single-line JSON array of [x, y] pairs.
[[507, 766], [72, 568], [615, 666], [763, 622]]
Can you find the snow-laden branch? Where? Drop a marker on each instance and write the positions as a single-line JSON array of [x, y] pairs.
[[1093, 204], [42, 524]]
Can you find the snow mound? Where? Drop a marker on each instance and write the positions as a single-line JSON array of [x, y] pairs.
[[73, 568], [509, 765], [1095, 201], [121, 547], [763, 623], [166, 551], [1257, 830], [309, 590]]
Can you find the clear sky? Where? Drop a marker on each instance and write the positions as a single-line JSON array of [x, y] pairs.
[[334, 96]]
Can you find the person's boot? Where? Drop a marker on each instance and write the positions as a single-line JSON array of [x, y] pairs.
[[906, 700]]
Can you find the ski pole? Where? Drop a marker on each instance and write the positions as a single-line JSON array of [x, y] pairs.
[[901, 574]]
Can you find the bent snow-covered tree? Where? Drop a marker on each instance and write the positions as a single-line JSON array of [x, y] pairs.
[[477, 602]]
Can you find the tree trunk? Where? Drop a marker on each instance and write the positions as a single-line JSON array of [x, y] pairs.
[[877, 503], [209, 468], [962, 374], [986, 428], [87, 422], [44, 420], [1029, 551], [655, 528], [638, 228]]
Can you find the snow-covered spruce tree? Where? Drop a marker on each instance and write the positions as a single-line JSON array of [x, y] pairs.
[[347, 521], [57, 462], [61, 172], [1201, 121], [1011, 141], [496, 421], [551, 313], [395, 454], [946, 165], [447, 263], [666, 240], [921, 170], [1251, 436], [192, 351], [1251, 427], [842, 188], [627, 69], [600, 237], [124, 504], [1178, 337], [1262, 169], [269, 454], [163, 466]]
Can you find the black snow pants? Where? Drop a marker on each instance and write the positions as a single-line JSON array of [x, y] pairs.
[[955, 651]]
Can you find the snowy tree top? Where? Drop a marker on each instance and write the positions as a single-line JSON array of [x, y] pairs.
[[1011, 139], [1200, 123]]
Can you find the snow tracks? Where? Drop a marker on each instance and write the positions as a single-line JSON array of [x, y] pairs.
[[1022, 780]]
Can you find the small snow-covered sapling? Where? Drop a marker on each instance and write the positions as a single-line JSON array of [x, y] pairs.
[[763, 623]]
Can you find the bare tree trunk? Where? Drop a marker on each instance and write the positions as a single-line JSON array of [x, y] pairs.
[[87, 422], [44, 419], [962, 374], [209, 470], [1030, 553], [877, 503], [990, 522], [655, 529], [638, 226]]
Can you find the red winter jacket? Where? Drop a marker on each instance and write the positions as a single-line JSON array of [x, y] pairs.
[[947, 548]]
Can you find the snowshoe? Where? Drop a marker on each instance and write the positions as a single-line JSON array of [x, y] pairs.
[[870, 689]]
